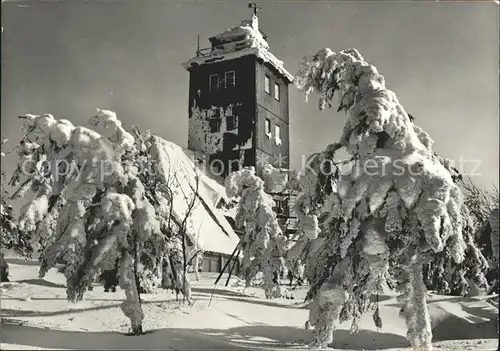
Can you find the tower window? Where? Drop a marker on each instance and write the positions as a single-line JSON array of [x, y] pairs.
[[213, 113], [277, 91], [279, 206], [213, 82], [217, 167], [214, 124], [231, 122], [234, 165], [268, 127], [230, 79], [267, 84], [277, 134]]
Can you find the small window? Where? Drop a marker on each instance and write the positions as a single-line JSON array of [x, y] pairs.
[[213, 113], [214, 124], [200, 162], [230, 122], [217, 167], [268, 127], [267, 84], [277, 132], [230, 79], [213, 82], [277, 91], [234, 165], [279, 206]]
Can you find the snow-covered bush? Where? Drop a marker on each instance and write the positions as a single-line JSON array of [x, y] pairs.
[[393, 212], [115, 192], [262, 244]]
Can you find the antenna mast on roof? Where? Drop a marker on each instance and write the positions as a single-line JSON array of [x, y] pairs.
[[255, 8], [198, 46]]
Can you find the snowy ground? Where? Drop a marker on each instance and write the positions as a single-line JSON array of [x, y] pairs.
[[36, 315]]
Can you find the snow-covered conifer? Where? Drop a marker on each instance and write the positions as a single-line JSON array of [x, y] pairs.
[[115, 194], [468, 277], [262, 244], [393, 212], [11, 237]]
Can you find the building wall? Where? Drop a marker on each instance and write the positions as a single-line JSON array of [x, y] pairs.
[[277, 112], [239, 101], [214, 262], [248, 101]]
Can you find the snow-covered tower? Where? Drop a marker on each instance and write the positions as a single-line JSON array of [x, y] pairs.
[[238, 102]]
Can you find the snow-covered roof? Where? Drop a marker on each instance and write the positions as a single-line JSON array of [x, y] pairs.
[[243, 40], [215, 183], [215, 232]]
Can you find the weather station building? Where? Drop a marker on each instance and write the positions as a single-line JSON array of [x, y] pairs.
[[239, 109]]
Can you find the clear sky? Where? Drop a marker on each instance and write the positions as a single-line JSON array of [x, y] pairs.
[[441, 59]]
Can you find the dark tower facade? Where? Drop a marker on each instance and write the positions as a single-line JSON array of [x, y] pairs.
[[238, 102]]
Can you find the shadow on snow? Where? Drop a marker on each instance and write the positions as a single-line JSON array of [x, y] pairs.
[[253, 337]]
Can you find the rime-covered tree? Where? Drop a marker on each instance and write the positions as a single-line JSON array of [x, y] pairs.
[[480, 202], [11, 237], [483, 207], [443, 274], [262, 244], [393, 212], [115, 194], [493, 223], [478, 212], [489, 236]]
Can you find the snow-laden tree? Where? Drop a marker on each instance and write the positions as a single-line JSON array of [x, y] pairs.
[[392, 213], [480, 202], [469, 277], [493, 221], [262, 244], [443, 274], [483, 207], [489, 236], [11, 237], [115, 192]]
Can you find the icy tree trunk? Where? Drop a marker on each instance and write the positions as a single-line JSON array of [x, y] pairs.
[[184, 275], [167, 281], [196, 264], [251, 272], [137, 278], [268, 281], [418, 319], [183, 283], [131, 307], [325, 309]]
